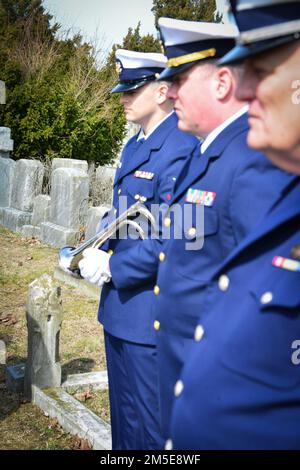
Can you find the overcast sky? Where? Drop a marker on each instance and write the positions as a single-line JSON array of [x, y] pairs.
[[109, 20]]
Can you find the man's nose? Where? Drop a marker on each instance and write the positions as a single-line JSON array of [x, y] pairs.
[[247, 84], [172, 91]]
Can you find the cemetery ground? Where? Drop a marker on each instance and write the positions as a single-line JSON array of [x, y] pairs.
[[23, 425]]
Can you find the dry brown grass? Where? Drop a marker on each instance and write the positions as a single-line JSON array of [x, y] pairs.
[[22, 425]]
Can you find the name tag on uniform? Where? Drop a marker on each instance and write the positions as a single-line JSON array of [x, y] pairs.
[[198, 196], [146, 175], [286, 263]]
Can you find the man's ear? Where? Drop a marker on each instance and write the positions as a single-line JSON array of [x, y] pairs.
[[224, 83], [161, 93]]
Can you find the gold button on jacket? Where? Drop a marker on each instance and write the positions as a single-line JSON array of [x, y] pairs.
[[156, 290]]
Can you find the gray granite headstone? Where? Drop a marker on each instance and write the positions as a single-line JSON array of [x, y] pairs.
[[41, 209], [6, 143], [6, 178], [94, 218], [44, 315], [14, 219], [69, 197], [69, 205], [103, 185], [27, 184], [41, 213], [69, 163]]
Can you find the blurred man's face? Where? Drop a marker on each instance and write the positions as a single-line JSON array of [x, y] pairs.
[[140, 104], [271, 83], [192, 94]]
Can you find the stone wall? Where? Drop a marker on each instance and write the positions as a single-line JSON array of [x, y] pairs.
[[62, 217]]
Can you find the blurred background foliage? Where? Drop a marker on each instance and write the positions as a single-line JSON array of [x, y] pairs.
[[58, 102]]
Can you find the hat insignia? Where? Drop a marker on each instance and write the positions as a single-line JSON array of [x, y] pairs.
[[118, 67]]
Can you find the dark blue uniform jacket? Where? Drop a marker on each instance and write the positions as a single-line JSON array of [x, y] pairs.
[[126, 302]]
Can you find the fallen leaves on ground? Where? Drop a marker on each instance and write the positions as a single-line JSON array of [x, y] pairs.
[[81, 444], [8, 319], [83, 396]]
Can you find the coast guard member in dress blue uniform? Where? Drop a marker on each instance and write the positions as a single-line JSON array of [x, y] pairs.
[[148, 167], [240, 387], [234, 184]]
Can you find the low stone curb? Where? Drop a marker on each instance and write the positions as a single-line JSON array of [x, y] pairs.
[[73, 416], [90, 380]]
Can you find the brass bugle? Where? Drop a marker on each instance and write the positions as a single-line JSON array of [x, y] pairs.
[[69, 256]]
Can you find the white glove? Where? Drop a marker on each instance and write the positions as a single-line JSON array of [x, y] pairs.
[[94, 266]]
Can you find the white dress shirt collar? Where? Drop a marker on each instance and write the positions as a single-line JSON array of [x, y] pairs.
[[214, 134], [142, 134]]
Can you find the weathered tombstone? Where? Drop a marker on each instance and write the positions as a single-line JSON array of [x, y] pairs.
[[103, 185], [6, 143], [41, 209], [6, 164], [6, 178], [91, 169], [26, 184], [44, 318], [69, 196], [94, 218], [68, 210], [69, 163], [40, 213]]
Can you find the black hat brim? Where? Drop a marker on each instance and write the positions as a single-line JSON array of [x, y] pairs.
[[170, 72], [242, 52], [128, 86]]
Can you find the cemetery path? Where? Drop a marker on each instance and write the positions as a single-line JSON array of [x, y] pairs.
[[23, 425]]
